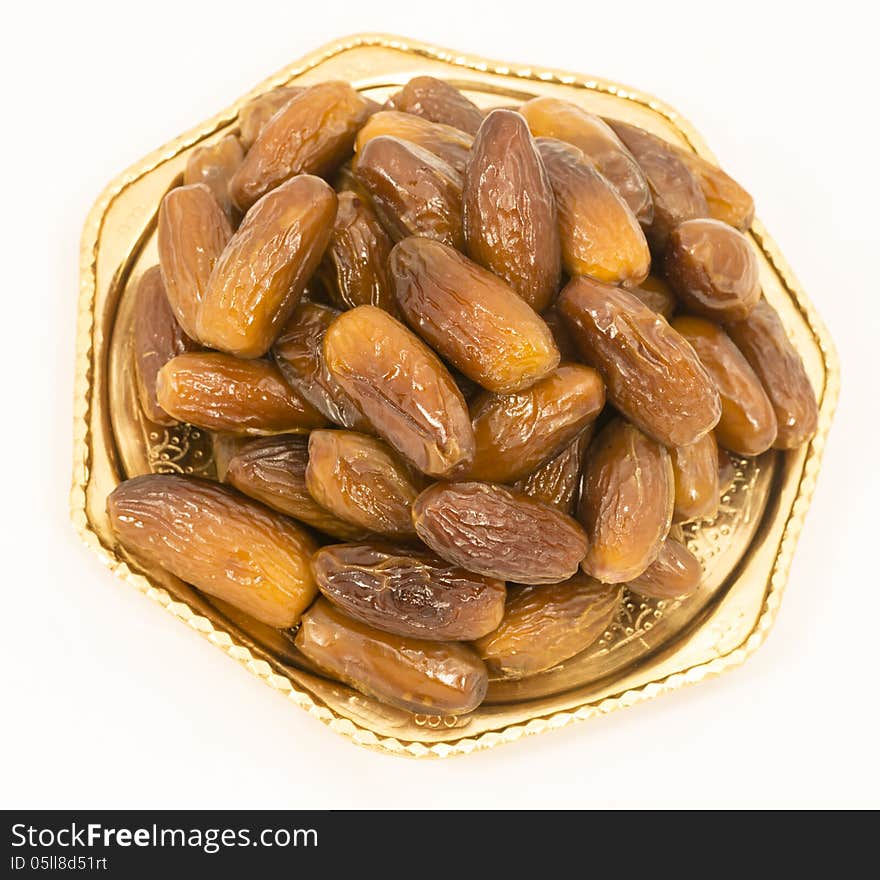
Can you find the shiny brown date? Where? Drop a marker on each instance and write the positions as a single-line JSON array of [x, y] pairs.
[[256, 113], [713, 270], [652, 375], [727, 200], [214, 166], [499, 532], [516, 432], [748, 422], [544, 625], [260, 276], [509, 211], [224, 393], [695, 468], [626, 502], [556, 481], [674, 574], [470, 316], [416, 675], [656, 294], [193, 231], [437, 101], [599, 234], [273, 470], [361, 480], [219, 541], [409, 591], [413, 191], [763, 341], [402, 388]]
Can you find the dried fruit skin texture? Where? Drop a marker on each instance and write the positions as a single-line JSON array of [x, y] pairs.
[[626, 502], [599, 234], [219, 541], [651, 373], [416, 675], [255, 114], [727, 200], [763, 341], [413, 191], [214, 166], [193, 231], [544, 625], [273, 470], [499, 532], [223, 393], [656, 294], [695, 468], [470, 316], [409, 591], [361, 480], [675, 573], [437, 101], [261, 274], [516, 432], [554, 118], [157, 339], [748, 423], [509, 212], [299, 354], [556, 480], [402, 388], [312, 134]]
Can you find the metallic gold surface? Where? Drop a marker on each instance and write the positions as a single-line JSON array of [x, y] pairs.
[[653, 647]]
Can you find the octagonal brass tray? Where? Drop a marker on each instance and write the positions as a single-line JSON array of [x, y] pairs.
[[653, 647]]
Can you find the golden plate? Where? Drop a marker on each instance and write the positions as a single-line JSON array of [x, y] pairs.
[[653, 647]]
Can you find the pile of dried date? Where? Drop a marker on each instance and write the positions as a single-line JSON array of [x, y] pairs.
[[420, 310]]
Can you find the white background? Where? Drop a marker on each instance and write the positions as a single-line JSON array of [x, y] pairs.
[[108, 701]]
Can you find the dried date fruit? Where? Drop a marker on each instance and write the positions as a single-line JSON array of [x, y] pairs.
[[273, 470], [544, 625], [499, 532], [674, 574], [727, 200], [516, 432], [416, 675], [763, 341], [193, 231], [157, 338], [223, 448], [219, 541], [437, 101], [656, 294], [312, 133], [509, 211], [214, 166], [224, 393], [260, 276], [362, 481], [713, 270], [470, 316], [652, 375], [402, 388], [599, 234], [299, 354], [554, 118], [748, 422], [626, 502], [450, 144], [568, 350], [256, 113], [413, 191], [556, 480], [695, 468], [409, 591]]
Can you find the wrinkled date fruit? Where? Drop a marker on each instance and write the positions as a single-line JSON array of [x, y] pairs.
[[223, 393], [516, 432], [696, 479], [402, 388], [762, 339], [261, 274], [748, 422], [554, 118], [626, 502], [414, 191], [193, 231], [214, 166], [652, 375], [437, 678], [656, 294], [256, 113], [545, 625], [599, 234], [437, 101], [219, 541], [556, 480], [499, 532], [311, 134], [674, 574], [727, 200], [470, 316], [361, 480], [509, 211], [409, 591]]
